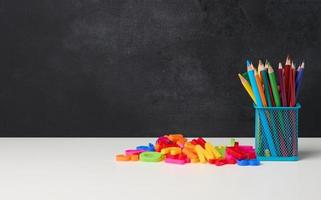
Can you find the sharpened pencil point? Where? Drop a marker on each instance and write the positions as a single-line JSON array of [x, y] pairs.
[[280, 65], [248, 63], [288, 60], [261, 66], [252, 67]]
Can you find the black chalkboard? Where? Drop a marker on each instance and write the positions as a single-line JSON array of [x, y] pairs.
[[148, 67]]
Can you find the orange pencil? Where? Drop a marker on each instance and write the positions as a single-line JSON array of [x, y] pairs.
[[260, 88], [259, 71]]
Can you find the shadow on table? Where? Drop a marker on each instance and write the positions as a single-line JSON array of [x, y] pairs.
[[305, 154]]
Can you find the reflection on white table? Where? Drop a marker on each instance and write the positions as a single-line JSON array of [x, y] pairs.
[[85, 168]]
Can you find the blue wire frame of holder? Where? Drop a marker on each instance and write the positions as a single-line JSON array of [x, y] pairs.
[[281, 126]]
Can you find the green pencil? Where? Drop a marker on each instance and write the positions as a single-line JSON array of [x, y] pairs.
[[277, 101], [274, 86], [264, 75]]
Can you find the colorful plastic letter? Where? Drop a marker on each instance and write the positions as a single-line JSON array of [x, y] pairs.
[[171, 150], [212, 149], [122, 157], [254, 162], [203, 155], [243, 162], [189, 153], [151, 156], [133, 152], [134, 157]]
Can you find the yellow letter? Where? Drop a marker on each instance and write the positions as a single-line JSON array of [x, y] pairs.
[[203, 155], [212, 149]]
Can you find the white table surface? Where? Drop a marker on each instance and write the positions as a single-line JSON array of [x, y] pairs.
[[85, 168]]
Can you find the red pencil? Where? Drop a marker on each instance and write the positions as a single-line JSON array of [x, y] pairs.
[[292, 86], [282, 85], [287, 69]]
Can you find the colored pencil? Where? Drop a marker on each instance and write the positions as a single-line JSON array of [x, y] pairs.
[[282, 85], [255, 89], [299, 80], [274, 87], [284, 104], [292, 86], [259, 72], [263, 73], [266, 66], [277, 100], [277, 137], [259, 86], [292, 113], [287, 69], [247, 87]]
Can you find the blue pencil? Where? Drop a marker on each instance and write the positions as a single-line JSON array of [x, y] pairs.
[[265, 124], [298, 81]]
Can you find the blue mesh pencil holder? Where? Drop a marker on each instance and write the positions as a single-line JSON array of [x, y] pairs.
[[276, 133]]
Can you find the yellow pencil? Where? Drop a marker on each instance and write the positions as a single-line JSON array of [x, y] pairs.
[[247, 87]]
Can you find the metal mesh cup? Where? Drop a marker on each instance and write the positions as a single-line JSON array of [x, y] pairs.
[[276, 133]]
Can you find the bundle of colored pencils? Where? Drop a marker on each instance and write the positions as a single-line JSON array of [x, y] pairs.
[[268, 91]]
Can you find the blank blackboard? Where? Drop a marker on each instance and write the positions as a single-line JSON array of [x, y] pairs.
[[148, 67]]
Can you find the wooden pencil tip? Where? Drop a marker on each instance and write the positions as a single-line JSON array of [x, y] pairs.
[[288, 60], [261, 67], [248, 62], [252, 66], [260, 62], [280, 65], [270, 69], [249, 68], [241, 77]]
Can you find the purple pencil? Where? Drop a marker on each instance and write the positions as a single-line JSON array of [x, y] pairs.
[[299, 80], [282, 85]]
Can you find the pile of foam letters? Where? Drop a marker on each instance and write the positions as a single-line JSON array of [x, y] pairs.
[[176, 149]]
